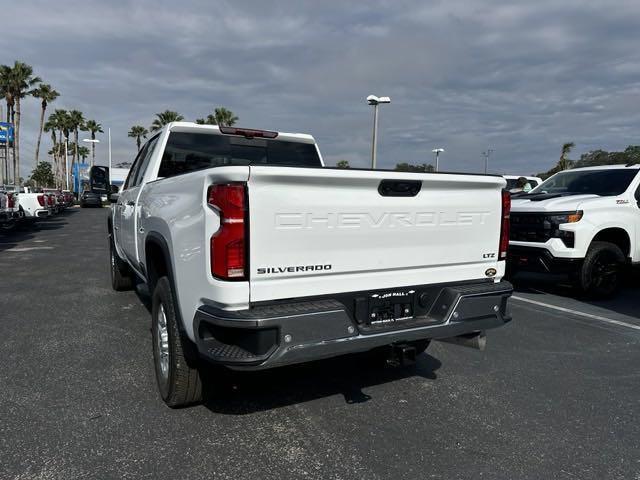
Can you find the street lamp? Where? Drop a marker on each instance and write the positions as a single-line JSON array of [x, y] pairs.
[[487, 154], [89, 140], [375, 101], [437, 151], [92, 141]]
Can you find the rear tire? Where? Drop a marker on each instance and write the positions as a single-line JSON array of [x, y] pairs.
[[601, 271], [174, 355], [8, 226], [121, 275]]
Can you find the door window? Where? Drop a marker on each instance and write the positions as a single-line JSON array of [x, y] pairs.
[[134, 168], [151, 144]]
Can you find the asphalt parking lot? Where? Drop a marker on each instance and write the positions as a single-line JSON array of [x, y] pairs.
[[556, 394]]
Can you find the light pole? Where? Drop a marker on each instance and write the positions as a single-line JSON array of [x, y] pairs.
[[487, 154], [375, 101], [109, 130], [437, 151], [91, 140], [66, 160]]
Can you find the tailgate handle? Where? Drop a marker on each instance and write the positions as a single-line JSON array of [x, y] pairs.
[[399, 188]]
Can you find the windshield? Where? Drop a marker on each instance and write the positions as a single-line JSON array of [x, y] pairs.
[[589, 182], [512, 184]]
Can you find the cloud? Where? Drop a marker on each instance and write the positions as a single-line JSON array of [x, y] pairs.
[[521, 78]]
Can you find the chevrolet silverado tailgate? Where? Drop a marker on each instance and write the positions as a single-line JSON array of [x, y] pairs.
[[321, 231]]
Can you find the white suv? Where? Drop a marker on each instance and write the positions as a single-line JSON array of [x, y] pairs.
[[584, 222]]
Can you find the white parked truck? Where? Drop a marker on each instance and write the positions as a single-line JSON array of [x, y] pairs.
[[583, 222], [256, 256], [6, 214], [10, 211], [27, 205], [35, 205]]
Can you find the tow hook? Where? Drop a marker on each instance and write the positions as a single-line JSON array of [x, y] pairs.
[[401, 355]]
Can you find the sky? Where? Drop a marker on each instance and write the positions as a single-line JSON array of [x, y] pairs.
[[518, 77]]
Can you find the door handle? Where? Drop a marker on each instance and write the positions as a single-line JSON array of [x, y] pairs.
[[399, 188]]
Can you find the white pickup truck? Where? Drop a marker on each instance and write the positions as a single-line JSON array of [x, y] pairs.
[[256, 256], [10, 211], [29, 205], [6, 215], [583, 222]]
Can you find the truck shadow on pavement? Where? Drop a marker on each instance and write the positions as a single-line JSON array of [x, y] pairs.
[[25, 231], [241, 393]]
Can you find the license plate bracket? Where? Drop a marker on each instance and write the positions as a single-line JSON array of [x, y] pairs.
[[389, 308]]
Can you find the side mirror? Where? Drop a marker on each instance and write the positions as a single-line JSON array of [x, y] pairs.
[[113, 198], [638, 196], [114, 189]]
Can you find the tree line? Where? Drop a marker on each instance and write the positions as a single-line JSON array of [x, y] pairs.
[[630, 155], [220, 116], [18, 82], [400, 167]]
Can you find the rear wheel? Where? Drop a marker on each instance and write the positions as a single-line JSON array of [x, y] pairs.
[[8, 226], [174, 355], [121, 275], [600, 274]]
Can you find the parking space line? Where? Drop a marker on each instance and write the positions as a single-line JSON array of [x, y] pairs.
[[26, 249], [578, 313]]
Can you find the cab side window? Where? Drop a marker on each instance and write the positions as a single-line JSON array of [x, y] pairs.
[[144, 162], [134, 168]]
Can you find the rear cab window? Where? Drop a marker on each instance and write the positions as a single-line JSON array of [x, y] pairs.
[[187, 152]]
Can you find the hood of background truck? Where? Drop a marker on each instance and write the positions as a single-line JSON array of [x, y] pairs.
[[557, 204]]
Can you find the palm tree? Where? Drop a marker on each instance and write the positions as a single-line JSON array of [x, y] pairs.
[[564, 163], [221, 116], [93, 127], [47, 95], [50, 126], [224, 117], [53, 126], [165, 117], [76, 119], [83, 152], [138, 132], [5, 90], [59, 120], [21, 83]]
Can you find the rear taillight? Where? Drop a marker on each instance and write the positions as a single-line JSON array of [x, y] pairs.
[[41, 200], [505, 225], [11, 201], [228, 252]]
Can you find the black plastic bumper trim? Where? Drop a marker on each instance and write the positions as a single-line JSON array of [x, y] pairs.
[[534, 259], [320, 329]]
